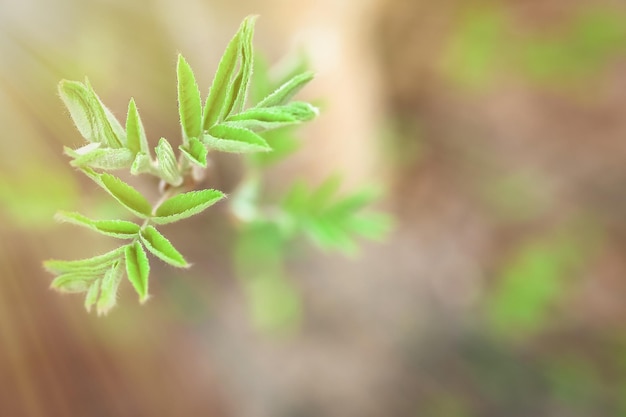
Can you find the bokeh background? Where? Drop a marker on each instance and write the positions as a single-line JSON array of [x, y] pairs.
[[497, 129]]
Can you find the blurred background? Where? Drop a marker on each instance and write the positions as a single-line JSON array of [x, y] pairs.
[[497, 129]]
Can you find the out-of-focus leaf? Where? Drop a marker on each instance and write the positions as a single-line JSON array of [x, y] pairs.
[[96, 263], [195, 152], [108, 289], [189, 103], [92, 294], [285, 92], [138, 269], [235, 140], [102, 158], [136, 139], [126, 195], [266, 118], [185, 205], [160, 247], [167, 164], [115, 228], [73, 282], [89, 115]]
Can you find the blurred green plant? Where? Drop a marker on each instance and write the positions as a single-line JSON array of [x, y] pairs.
[[223, 123]]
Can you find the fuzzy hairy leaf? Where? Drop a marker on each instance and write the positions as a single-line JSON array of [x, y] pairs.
[[91, 118], [160, 247], [186, 205], [92, 294], [94, 264], [238, 91], [120, 229], [76, 282], [102, 158], [138, 269], [189, 102], [142, 164], [266, 118], [234, 139], [136, 139], [167, 164], [216, 105], [126, 195], [195, 152], [286, 91], [108, 289]]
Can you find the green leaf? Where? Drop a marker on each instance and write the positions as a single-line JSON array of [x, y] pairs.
[[115, 228], [238, 91], [266, 118], [94, 264], [195, 152], [92, 294], [186, 205], [126, 195], [142, 164], [222, 83], [286, 91], [136, 140], [108, 289], [91, 118], [160, 247], [73, 282], [233, 139], [138, 269], [167, 165], [189, 103], [101, 158]]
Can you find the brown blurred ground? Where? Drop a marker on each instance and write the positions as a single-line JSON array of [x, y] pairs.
[[488, 153]]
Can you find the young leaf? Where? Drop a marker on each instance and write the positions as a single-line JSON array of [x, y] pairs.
[[160, 247], [136, 140], [237, 92], [115, 228], [73, 282], [95, 264], [138, 269], [215, 102], [189, 103], [266, 118], [92, 294], [102, 158], [286, 91], [89, 115], [167, 165], [142, 164], [186, 205], [108, 289], [234, 139], [126, 195], [195, 152]]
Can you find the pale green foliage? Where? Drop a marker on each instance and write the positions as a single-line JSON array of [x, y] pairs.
[[222, 124]]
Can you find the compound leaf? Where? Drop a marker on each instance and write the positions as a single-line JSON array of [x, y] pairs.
[[189, 103], [138, 269], [160, 247], [266, 118], [186, 205], [115, 228], [234, 139], [101, 158]]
